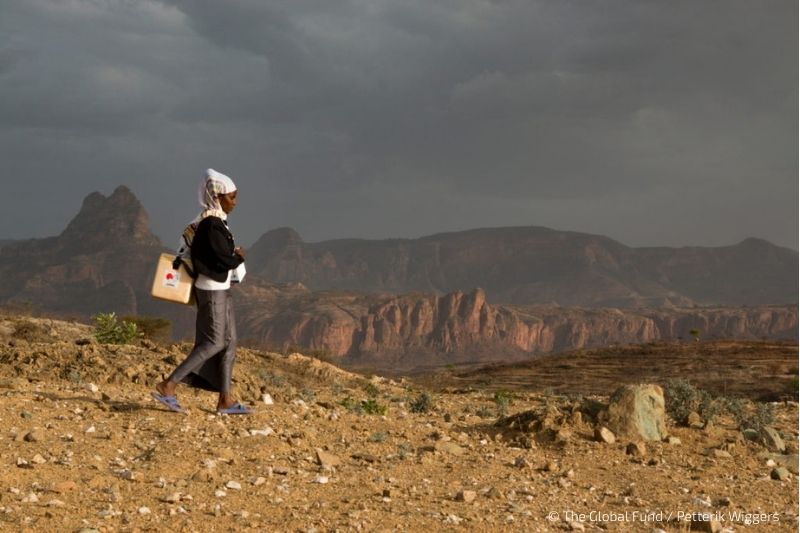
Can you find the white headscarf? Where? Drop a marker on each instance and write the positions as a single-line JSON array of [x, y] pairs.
[[214, 184]]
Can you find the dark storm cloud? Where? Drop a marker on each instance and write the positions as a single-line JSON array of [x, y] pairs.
[[652, 122]]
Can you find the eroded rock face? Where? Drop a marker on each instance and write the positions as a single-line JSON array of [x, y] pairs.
[[636, 411], [418, 330]]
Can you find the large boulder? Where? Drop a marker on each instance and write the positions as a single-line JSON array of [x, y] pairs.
[[636, 411]]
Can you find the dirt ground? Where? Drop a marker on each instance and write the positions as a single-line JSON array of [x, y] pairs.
[[85, 448]]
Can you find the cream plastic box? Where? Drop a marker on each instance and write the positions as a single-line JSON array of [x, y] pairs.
[[170, 284]]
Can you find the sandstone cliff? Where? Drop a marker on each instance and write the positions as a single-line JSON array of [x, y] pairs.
[[418, 330]]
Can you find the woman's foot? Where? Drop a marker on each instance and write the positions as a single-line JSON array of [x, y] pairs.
[[228, 406], [166, 388]]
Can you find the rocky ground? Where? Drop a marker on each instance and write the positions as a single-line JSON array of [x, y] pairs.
[[85, 448]]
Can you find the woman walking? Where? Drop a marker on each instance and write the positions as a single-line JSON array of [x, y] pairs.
[[209, 366]]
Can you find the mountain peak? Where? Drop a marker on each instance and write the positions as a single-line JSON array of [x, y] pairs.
[[107, 221]]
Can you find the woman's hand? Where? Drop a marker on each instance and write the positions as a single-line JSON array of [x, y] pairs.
[[239, 251]]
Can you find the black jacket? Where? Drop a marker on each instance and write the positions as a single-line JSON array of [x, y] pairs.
[[212, 249]]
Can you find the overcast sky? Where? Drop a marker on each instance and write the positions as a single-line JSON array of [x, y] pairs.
[[653, 122]]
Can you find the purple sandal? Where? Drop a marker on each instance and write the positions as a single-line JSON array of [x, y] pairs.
[[170, 402], [235, 409]]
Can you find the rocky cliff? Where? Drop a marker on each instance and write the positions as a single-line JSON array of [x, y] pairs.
[[419, 330], [535, 265]]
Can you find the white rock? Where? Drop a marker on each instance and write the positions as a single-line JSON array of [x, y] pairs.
[[262, 432], [259, 481], [173, 498], [267, 399], [233, 485], [38, 459], [91, 387], [55, 503], [30, 498], [321, 480], [220, 493], [90, 429], [144, 510]]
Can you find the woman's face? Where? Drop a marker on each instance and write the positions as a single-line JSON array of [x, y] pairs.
[[227, 201]]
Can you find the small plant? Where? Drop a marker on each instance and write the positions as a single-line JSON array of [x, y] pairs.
[[404, 450], [759, 416], [372, 407], [107, 330], [695, 333], [308, 395], [422, 404], [680, 399], [274, 380], [351, 405], [502, 400], [372, 390], [378, 436]]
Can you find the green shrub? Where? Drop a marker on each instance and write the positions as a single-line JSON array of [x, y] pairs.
[[680, 399], [107, 330], [503, 399], [372, 407], [422, 404], [378, 436], [371, 389]]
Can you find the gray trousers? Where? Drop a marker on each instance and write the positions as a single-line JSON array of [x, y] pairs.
[[210, 364]]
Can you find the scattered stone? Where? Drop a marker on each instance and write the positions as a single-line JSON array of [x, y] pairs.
[[327, 460], [262, 432], [22, 463], [55, 503], [636, 411], [322, 480], [449, 447], [91, 387], [576, 526], [267, 399], [30, 498], [603, 434], [205, 475], [750, 434], [144, 510], [466, 496], [34, 435], [551, 466], [673, 441], [636, 449], [175, 497], [281, 470], [366, 457], [220, 493], [38, 459], [65, 486], [772, 440], [90, 429], [790, 462], [694, 420], [259, 481], [780, 474], [522, 462], [233, 485], [720, 454], [701, 522]]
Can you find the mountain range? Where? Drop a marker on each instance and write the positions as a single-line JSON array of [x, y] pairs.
[[485, 294]]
